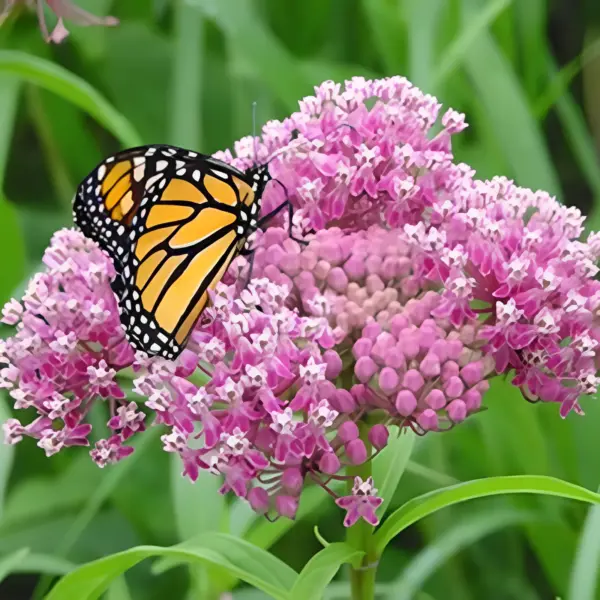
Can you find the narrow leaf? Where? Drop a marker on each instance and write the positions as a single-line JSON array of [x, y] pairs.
[[9, 563], [584, 575], [243, 560], [257, 49], [422, 506], [11, 237], [321, 569], [459, 48], [508, 113], [71, 87], [450, 543], [186, 89], [118, 590], [389, 466]]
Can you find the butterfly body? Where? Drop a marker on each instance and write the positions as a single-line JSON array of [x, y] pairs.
[[172, 221]]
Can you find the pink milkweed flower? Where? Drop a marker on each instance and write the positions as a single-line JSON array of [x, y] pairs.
[[361, 504], [417, 284]]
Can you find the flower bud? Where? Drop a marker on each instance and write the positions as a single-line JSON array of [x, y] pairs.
[[329, 463], [348, 431], [378, 436], [356, 451]]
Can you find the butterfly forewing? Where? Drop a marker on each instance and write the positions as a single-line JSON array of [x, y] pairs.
[[172, 221]]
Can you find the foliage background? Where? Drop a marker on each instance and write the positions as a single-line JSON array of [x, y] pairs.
[[526, 73]]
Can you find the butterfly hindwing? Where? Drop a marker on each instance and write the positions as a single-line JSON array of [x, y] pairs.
[[172, 230]]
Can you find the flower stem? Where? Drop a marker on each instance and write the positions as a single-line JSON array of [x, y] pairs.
[[360, 536]]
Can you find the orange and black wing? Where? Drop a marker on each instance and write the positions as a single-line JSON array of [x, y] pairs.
[[108, 200], [172, 229]]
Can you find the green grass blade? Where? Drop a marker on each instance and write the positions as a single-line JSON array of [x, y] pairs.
[[256, 49], [321, 569], [422, 17], [186, 89], [389, 466], [427, 504], [515, 129], [454, 54], [9, 563], [584, 574], [11, 238], [253, 565], [56, 79], [450, 543]]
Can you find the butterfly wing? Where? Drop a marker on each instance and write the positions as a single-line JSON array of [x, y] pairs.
[[108, 200], [172, 229]]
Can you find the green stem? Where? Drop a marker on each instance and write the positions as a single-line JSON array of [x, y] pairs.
[[360, 536]]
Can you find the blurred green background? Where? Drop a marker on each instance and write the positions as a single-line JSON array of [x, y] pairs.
[[527, 75]]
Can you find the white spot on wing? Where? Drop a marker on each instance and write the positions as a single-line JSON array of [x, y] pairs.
[[138, 172], [161, 165], [220, 174], [196, 175], [101, 172]]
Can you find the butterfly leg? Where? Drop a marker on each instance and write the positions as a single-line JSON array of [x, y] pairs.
[[286, 204], [251, 253]]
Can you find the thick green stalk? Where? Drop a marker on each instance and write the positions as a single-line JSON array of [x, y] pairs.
[[360, 536]]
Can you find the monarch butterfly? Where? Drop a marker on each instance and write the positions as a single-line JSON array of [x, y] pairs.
[[172, 221]]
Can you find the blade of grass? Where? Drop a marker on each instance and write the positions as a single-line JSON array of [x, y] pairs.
[[95, 502], [186, 92], [11, 239], [508, 112], [584, 574], [423, 17], [71, 87], [6, 455], [388, 32], [455, 53], [451, 542], [59, 173], [530, 23], [255, 48]]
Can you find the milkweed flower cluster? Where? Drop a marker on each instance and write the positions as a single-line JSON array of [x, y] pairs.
[[417, 284]]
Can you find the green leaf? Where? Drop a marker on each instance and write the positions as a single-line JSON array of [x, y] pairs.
[[584, 574], [92, 507], [56, 79], [508, 113], [11, 238], [118, 590], [447, 545], [199, 507], [243, 560], [321, 569], [423, 17], [186, 88], [427, 504], [10, 562], [130, 78], [388, 32], [455, 52], [44, 563], [256, 49], [6, 455], [389, 466], [106, 488]]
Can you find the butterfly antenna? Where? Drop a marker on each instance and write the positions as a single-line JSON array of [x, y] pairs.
[[254, 133]]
